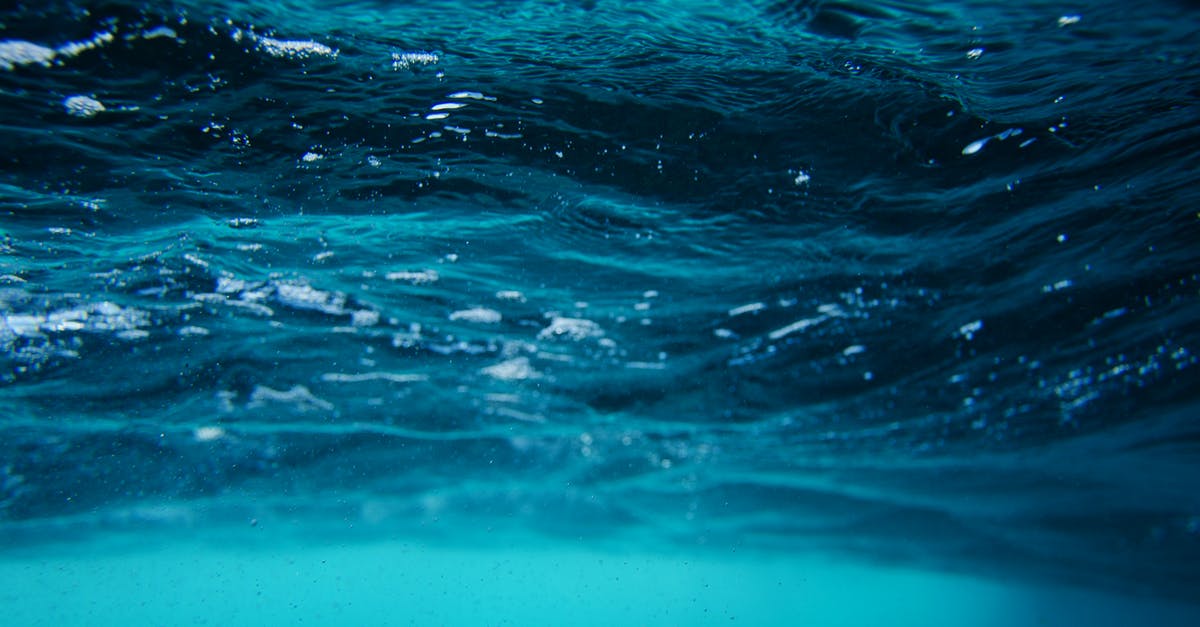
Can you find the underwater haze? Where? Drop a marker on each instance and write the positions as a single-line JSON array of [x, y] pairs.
[[796, 312]]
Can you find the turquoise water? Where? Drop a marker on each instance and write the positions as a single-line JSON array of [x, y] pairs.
[[404, 583], [770, 312]]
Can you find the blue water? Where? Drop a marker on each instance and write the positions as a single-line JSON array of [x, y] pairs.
[[600, 312]]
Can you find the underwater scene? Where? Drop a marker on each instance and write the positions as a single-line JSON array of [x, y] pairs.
[[600, 312]]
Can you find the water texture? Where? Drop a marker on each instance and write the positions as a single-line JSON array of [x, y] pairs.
[[912, 283]]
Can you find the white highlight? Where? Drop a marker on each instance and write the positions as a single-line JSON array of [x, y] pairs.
[[571, 328], [516, 369], [745, 309], [798, 325], [480, 315], [82, 106], [420, 277], [294, 49], [393, 377], [969, 329], [208, 434], [14, 52]]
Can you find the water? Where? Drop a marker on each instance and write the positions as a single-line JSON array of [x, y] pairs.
[[600, 312]]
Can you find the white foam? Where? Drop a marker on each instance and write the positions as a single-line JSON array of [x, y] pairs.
[[969, 329], [294, 49], [509, 412], [298, 396], [194, 260], [160, 31], [1057, 286], [364, 318], [65, 320], [419, 277], [976, 146], [515, 369], [481, 315], [798, 325], [394, 377], [491, 133], [230, 285], [510, 295], [74, 48], [473, 95], [745, 309], [14, 52], [208, 434], [833, 310], [300, 296], [409, 60], [24, 325], [571, 328], [261, 310]]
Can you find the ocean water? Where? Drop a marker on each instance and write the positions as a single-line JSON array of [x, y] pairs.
[[600, 312]]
